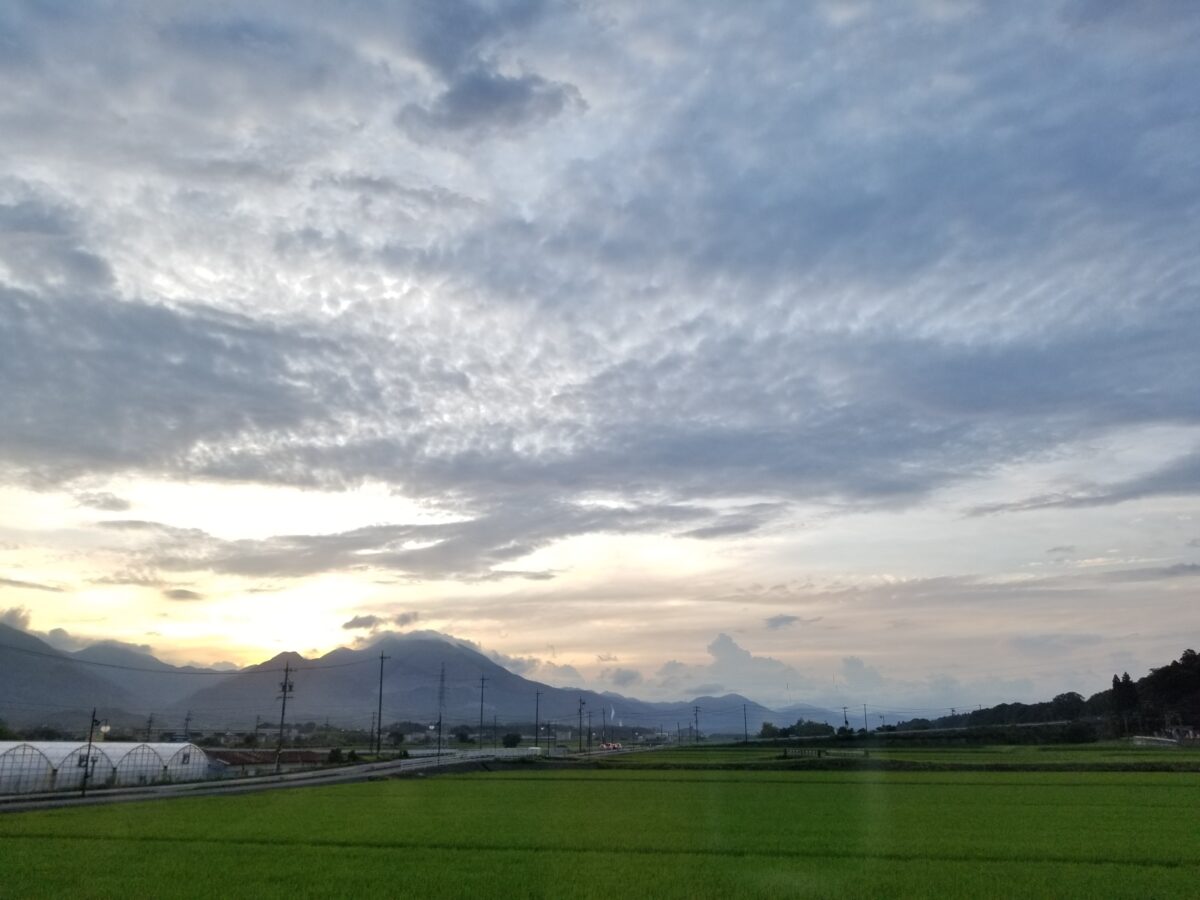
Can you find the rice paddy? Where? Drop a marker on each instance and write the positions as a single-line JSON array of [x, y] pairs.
[[531, 832]]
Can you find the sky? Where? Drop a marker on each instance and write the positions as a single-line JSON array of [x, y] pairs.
[[827, 352]]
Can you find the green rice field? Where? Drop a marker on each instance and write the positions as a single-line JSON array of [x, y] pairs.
[[1082, 757], [532, 832]]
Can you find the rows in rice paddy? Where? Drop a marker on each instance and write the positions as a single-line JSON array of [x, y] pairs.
[[640, 832]]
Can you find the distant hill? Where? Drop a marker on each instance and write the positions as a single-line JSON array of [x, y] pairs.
[[154, 683], [43, 686], [341, 687]]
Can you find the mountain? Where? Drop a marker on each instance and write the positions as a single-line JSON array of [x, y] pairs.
[[43, 686], [155, 683], [342, 687]]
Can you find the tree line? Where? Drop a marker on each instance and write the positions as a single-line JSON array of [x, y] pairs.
[[1166, 698]]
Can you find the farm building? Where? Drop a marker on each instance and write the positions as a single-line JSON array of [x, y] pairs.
[[28, 767]]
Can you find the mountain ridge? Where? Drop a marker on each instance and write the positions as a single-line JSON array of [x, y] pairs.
[[340, 686]]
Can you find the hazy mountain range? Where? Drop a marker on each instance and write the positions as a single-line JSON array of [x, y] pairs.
[[42, 685]]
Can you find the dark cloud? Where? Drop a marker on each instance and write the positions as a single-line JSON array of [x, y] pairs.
[[518, 665], [137, 576], [29, 585], [745, 520], [148, 387], [475, 548], [357, 622], [560, 675], [42, 247], [16, 617], [102, 500], [621, 677], [731, 668], [405, 618], [483, 103], [61, 639], [1178, 478], [182, 594], [1061, 550], [1158, 573], [774, 623]]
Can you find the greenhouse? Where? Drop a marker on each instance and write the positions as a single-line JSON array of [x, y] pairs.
[[30, 767]]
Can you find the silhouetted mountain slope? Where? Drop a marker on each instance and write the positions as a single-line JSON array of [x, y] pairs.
[[154, 683], [343, 688], [41, 685]]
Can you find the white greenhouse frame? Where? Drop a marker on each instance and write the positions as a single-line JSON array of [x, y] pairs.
[[35, 766]]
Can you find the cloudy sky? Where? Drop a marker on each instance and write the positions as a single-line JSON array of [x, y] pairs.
[[823, 351]]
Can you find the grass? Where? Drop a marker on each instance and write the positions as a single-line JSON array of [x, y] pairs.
[[1073, 757], [605, 833]]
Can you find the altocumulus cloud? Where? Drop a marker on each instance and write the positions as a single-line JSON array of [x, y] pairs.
[[848, 263], [206, 392]]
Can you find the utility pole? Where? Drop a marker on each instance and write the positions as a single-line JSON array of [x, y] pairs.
[[866, 727], [379, 716], [482, 682], [149, 725], [187, 727], [441, 704], [678, 734], [589, 731], [845, 718], [696, 713], [495, 733], [581, 705], [87, 762], [286, 687], [257, 725], [537, 719], [745, 725]]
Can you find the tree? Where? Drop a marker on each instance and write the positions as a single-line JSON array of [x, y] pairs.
[[768, 731], [803, 728], [1067, 706], [511, 740]]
